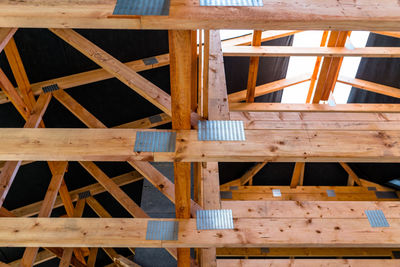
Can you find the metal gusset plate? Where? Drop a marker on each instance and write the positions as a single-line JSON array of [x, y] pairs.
[[231, 3], [84, 195], [386, 194], [221, 131], [214, 219], [50, 88], [331, 193], [142, 7], [155, 141], [162, 230], [226, 194], [276, 193], [376, 218], [150, 61]]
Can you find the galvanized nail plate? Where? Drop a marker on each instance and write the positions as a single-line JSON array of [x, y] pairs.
[[214, 219], [376, 218], [276, 192], [50, 88], [155, 141], [142, 7], [221, 131], [231, 3], [331, 193], [162, 230], [150, 61]]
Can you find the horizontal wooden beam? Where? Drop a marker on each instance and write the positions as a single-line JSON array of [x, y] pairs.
[[270, 87], [265, 36], [391, 34], [248, 117], [323, 125], [259, 146], [275, 209], [308, 263], [287, 15], [285, 51], [248, 232], [279, 107], [263, 195], [371, 86], [305, 252]]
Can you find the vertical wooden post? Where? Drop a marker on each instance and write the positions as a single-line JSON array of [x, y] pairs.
[[253, 68], [180, 49]]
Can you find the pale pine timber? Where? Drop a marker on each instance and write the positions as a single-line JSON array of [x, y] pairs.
[[94, 232], [285, 51], [364, 15], [308, 263]]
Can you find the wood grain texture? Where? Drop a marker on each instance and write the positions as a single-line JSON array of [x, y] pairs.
[[285, 51], [307, 263], [249, 232], [276, 14]]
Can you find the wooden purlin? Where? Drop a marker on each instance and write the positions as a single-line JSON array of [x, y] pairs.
[[289, 15], [308, 263], [316, 232], [260, 145], [327, 52]]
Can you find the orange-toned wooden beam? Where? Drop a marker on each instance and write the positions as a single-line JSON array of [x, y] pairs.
[[330, 68], [180, 51], [253, 68]]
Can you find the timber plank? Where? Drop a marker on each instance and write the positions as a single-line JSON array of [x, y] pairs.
[[94, 232]]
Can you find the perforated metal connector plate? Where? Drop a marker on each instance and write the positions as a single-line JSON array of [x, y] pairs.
[[50, 88], [155, 141], [231, 3], [150, 61], [214, 219], [84, 195], [331, 193], [221, 131], [142, 7], [276, 193], [162, 230], [376, 218]]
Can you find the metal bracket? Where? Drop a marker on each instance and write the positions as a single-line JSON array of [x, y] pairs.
[[162, 230], [142, 7], [150, 61], [155, 118], [214, 219], [226, 194], [386, 194], [276, 193], [50, 88], [84, 195], [221, 131], [331, 193], [155, 141], [376, 218]]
